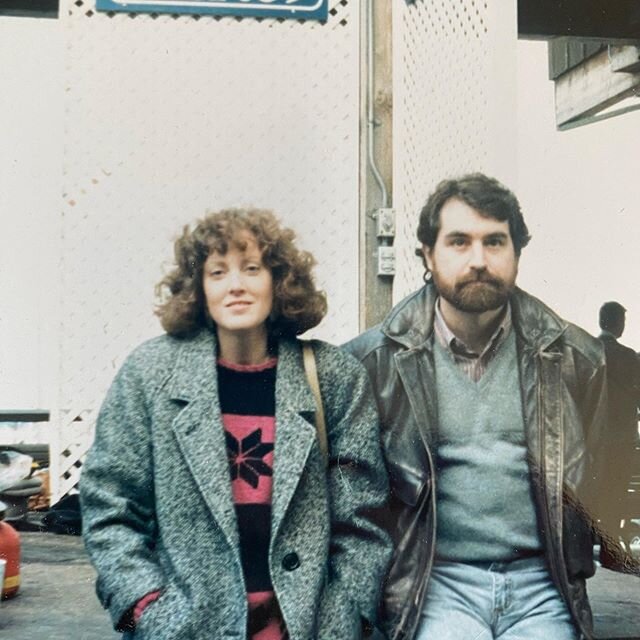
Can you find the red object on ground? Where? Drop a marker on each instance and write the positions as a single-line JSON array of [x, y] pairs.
[[10, 551]]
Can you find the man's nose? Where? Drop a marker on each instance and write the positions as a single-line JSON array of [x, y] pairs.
[[477, 257]]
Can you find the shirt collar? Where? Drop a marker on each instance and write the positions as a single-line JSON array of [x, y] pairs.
[[449, 340]]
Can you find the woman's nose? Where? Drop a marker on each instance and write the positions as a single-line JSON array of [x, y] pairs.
[[235, 281]]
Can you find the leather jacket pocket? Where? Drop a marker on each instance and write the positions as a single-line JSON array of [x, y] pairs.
[[410, 526], [407, 483], [578, 542]]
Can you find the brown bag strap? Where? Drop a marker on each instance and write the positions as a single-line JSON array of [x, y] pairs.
[[310, 368]]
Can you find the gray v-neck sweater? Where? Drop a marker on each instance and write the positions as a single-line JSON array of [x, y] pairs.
[[484, 498]]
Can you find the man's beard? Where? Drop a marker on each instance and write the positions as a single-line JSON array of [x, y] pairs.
[[476, 293]]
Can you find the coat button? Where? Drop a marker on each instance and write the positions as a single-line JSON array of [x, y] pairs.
[[291, 561]]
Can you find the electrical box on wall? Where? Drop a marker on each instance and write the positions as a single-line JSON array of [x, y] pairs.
[[386, 223], [386, 261]]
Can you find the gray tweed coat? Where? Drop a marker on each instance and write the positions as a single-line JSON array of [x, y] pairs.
[[158, 511]]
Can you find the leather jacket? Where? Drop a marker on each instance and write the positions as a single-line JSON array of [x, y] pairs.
[[562, 380]]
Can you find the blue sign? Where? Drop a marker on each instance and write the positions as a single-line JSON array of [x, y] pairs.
[[298, 9]]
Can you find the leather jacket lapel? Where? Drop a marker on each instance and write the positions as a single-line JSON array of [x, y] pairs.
[[411, 325], [529, 390], [538, 330], [552, 435], [415, 368]]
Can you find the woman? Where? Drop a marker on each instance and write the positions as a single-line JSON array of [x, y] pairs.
[[209, 508]]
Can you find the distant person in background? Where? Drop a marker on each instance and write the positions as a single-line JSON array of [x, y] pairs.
[[210, 509], [623, 386]]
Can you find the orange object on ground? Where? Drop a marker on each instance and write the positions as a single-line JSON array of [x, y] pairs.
[[10, 551]]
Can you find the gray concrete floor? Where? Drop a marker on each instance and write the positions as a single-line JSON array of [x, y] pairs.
[[615, 600], [56, 600]]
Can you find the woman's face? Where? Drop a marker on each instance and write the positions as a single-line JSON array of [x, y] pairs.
[[238, 288]]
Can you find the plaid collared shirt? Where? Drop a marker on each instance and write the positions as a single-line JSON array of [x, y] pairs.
[[472, 364]]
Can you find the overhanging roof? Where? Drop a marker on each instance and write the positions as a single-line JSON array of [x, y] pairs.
[[594, 54], [611, 20]]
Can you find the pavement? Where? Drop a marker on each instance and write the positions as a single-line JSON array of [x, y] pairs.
[[57, 601]]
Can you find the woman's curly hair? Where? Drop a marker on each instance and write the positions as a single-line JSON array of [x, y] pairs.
[[297, 304]]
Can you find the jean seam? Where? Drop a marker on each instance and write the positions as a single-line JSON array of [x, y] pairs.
[[508, 592], [494, 603]]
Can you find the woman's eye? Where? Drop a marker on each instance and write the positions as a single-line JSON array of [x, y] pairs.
[[253, 268], [216, 273]]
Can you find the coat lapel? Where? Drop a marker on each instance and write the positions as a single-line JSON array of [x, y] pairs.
[[295, 431], [538, 329], [411, 324], [199, 430], [415, 367]]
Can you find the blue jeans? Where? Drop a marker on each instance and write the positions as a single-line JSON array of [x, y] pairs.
[[494, 601]]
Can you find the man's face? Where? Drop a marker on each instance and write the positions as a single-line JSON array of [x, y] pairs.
[[473, 261], [618, 327]]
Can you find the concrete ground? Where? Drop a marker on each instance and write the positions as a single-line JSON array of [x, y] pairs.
[[615, 600], [57, 601]]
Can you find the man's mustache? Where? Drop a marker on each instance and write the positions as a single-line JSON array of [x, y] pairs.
[[481, 276]]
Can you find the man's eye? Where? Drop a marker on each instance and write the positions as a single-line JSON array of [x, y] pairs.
[[458, 242], [495, 242]]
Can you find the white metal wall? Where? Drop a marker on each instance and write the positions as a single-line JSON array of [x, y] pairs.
[[167, 117], [30, 174], [454, 106]]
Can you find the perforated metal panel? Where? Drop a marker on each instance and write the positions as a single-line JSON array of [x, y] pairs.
[[454, 106], [169, 116]]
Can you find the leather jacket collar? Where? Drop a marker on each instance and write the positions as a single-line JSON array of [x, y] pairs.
[[410, 323]]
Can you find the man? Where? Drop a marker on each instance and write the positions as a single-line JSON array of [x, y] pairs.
[[621, 438], [490, 405]]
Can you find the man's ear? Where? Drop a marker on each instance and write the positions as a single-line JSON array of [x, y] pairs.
[[427, 252]]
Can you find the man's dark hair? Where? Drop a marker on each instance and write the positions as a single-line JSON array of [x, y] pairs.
[[611, 315], [488, 196]]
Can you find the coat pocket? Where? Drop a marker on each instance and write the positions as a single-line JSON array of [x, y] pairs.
[[167, 618]]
